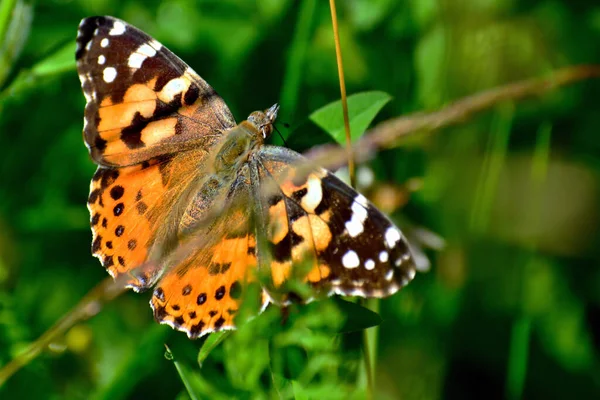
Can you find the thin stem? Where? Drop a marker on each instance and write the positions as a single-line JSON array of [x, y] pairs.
[[338, 54]]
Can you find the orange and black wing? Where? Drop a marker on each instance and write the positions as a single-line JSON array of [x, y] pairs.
[[339, 240], [207, 276], [142, 100], [150, 122]]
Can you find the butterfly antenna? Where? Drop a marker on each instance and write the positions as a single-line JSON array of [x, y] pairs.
[[280, 135]]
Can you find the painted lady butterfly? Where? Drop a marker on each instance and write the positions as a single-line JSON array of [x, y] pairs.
[[173, 167]]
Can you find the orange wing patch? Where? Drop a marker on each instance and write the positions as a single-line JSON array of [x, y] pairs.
[[131, 130], [203, 294], [121, 203], [297, 235]]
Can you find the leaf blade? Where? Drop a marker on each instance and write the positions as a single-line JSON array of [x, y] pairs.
[[362, 109]]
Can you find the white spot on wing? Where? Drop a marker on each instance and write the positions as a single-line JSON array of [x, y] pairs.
[[147, 50], [359, 214], [135, 60], [144, 51], [314, 194], [383, 256], [369, 264], [362, 200], [117, 29], [109, 74], [155, 44], [354, 227], [350, 259], [358, 209], [173, 88], [101, 59], [392, 236], [88, 96], [389, 275], [103, 42]]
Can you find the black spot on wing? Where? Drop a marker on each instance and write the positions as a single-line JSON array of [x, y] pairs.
[[282, 251], [131, 245], [96, 244], [141, 207], [219, 322], [160, 313], [196, 330], [220, 292], [159, 293], [116, 192], [191, 95]]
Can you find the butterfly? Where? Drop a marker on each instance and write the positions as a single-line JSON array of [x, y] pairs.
[[174, 169]]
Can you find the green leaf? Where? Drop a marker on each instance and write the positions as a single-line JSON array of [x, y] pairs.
[[211, 342], [358, 317], [57, 63], [15, 23], [196, 386], [362, 109], [60, 61], [299, 392]]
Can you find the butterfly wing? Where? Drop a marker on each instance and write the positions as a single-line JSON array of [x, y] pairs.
[[130, 208], [274, 225], [145, 108], [206, 277], [351, 248], [142, 100]]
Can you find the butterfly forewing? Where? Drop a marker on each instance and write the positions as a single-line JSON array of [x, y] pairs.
[[142, 100]]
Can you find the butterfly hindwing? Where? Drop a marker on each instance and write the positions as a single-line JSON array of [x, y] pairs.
[[354, 249], [142, 100], [201, 291]]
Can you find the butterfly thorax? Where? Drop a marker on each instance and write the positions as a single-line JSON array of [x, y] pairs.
[[239, 142], [228, 170]]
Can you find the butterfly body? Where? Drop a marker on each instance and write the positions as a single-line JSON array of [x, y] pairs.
[[190, 203]]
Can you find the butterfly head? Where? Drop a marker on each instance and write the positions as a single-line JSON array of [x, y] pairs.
[[263, 120]]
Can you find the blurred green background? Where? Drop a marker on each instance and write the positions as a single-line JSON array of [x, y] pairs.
[[511, 305]]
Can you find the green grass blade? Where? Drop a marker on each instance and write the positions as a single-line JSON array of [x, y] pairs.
[[209, 345], [58, 63], [296, 59], [518, 357], [492, 168], [15, 23]]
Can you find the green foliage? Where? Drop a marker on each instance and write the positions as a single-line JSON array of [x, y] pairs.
[[511, 307], [362, 110]]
